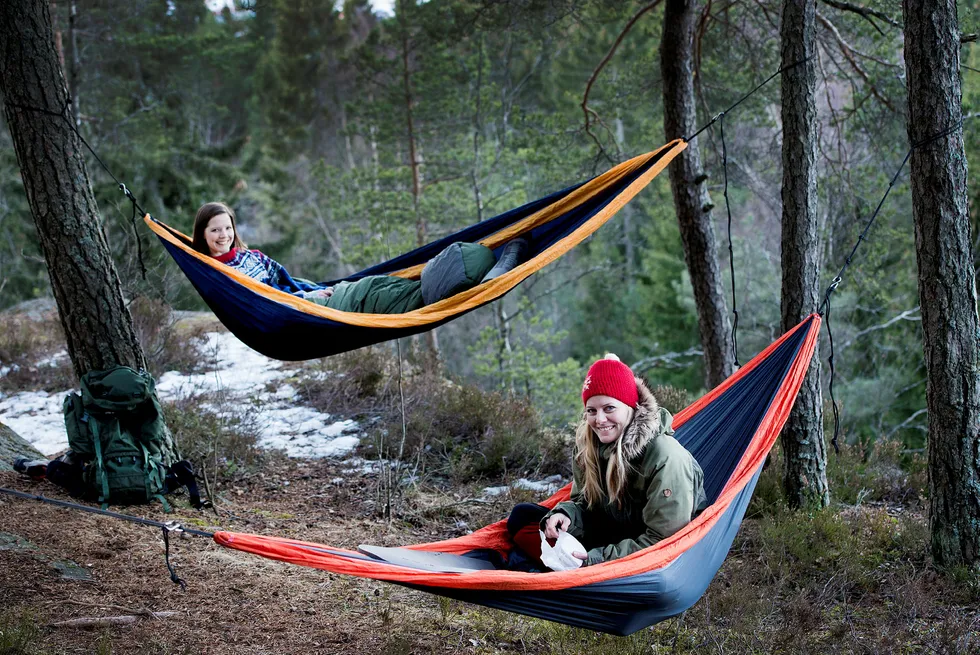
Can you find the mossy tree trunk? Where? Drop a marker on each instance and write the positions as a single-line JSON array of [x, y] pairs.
[[947, 292], [97, 324], [688, 184], [803, 439]]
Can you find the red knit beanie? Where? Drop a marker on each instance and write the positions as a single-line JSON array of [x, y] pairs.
[[610, 377]]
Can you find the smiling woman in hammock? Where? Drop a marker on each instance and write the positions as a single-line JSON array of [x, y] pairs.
[[216, 235], [634, 484]]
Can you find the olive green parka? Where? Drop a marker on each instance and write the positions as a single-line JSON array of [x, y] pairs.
[[664, 490]]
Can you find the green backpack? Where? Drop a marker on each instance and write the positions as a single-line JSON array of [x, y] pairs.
[[116, 428]]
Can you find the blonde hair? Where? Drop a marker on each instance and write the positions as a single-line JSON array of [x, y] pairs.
[[617, 470]]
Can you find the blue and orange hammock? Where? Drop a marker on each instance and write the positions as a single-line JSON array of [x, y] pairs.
[[287, 327], [730, 431]]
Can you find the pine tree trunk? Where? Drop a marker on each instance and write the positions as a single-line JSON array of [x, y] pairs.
[[97, 325], [688, 185], [76, 65], [947, 292], [803, 440]]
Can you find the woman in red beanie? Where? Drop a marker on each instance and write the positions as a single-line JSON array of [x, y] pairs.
[[633, 485]]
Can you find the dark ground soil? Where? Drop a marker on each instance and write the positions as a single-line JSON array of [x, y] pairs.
[[233, 602]]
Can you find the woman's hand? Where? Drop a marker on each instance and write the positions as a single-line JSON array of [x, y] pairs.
[[556, 523], [320, 293]]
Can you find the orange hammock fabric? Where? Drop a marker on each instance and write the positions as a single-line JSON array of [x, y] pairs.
[[284, 326], [730, 431]]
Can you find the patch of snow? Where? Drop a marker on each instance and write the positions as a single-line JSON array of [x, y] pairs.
[[548, 486], [286, 392], [53, 360], [357, 465], [239, 376], [36, 416]]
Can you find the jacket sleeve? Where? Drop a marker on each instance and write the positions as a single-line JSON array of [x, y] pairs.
[[283, 281], [669, 506], [575, 507]]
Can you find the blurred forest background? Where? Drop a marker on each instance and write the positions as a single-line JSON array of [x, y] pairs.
[[302, 113]]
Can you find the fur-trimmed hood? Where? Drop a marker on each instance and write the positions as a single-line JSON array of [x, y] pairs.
[[646, 423], [664, 488]]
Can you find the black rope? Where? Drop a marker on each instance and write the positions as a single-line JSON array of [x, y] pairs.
[[949, 130], [825, 305], [833, 399], [136, 233], [731, 251], [837, 280], [176, 579], [63, 114], [718, 116], [166, 527], [104, 512]]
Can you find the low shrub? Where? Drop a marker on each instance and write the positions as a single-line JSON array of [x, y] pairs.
[[877, 471], [167, 345], [880, 472], [467, 433], [20, 634], [32, 353], [673, 399], [219, 438], [350, 383]]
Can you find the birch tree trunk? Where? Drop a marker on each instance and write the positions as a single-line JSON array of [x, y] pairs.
[[97, 324], [947, 291], [803, 440], [689, 188]]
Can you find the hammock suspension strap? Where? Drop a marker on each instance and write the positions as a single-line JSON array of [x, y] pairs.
[[167, 528], [825, 305], [731, 252], [720, 119], [63, 114], [718, 116]]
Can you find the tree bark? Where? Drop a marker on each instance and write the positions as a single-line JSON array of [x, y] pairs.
[[688, 185], [98, 327], [947, 291], [803, 440], [76, 64]]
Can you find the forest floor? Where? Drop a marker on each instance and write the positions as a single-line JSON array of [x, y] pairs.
[[854, 578], [233, 602]]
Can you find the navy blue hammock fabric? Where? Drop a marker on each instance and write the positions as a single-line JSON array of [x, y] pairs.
[[287, 327], [729, 431]]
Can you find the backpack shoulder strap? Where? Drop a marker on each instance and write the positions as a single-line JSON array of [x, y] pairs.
[[100, 475]]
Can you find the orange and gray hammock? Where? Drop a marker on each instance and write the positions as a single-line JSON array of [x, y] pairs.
[[283, 326], [730, 431]]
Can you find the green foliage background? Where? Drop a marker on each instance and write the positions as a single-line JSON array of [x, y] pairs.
[[297, 113]]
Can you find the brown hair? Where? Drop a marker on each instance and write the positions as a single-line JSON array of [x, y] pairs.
[[617, 468], [204, 215]]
